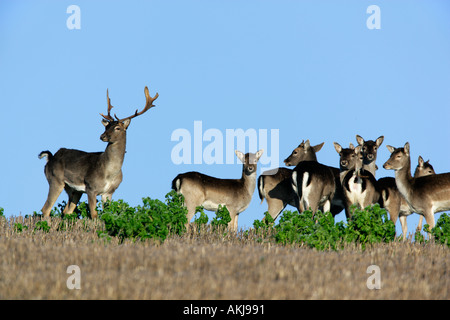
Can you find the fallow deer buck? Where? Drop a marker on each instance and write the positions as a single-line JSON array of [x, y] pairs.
[[202, 190], [369, 151], [395, 203], [425, 195], [276, 185], [359, 185], [94, 173]]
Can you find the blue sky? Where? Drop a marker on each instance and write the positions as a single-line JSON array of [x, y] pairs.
[[309, 69]]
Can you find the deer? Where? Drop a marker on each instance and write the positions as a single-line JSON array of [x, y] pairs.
[[314, 185], [276, 185], [200, 189], [359, 186], [425, 195], [395, 203], [94, 173], [369, 151]]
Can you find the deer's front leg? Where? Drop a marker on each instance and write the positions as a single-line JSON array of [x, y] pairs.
[[74, 198], [106, 197]]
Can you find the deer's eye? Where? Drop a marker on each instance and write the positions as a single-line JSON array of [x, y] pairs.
[[117, 128]]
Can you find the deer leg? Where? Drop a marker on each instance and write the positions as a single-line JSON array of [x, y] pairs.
[[419, 226], [275, 207], [74, 198], [327, 206], [312, 202], [92, 203], [348, 212], [106, 197], [404, 226], [393, 215], [429, 217], [53, 194], [232, 225], [191, 211]]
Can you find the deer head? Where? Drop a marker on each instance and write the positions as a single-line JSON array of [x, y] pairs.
[[114, 128]]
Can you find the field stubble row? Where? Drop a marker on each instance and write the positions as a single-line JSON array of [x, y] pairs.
[[208, 265]]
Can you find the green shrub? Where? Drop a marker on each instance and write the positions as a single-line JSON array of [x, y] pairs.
[[19, 227], [154, 219], [202, 219], [42, 225], [368, 226], [265, 225], [222, 217], [317, 231], [441, 231]]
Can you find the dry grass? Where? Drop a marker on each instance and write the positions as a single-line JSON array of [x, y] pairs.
[[33, 265]]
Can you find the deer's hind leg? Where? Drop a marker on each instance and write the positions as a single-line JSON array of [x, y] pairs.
[[54, 191]]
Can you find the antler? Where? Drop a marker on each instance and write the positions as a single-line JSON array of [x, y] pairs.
[[108, 117], [148, 105]]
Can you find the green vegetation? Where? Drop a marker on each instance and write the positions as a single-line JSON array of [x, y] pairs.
[[441, 232], [319, 231], [153, 220]]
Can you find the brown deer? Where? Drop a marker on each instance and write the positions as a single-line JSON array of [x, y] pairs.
[[202, 190], [276, 185], [369, 151], [425, 195], [359, 185], [94, 173], [314, 185], [395, 203]]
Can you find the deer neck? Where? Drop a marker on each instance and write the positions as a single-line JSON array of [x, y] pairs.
[[342, 175], [114, 155], [370, 166], [404, 180], [249, 181]]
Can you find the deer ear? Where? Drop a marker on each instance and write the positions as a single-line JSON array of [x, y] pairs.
[[318, 147], [105, 122], [259, 154], [240, 155], [126, 123], [307, 145], [390, 148], [338, 147], [421, 162], [379, 141], [360, 140], [406, 148]]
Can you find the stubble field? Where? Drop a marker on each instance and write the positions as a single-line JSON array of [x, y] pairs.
[[207, 265]]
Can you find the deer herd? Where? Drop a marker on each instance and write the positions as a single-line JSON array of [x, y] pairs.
[[310, 185]]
